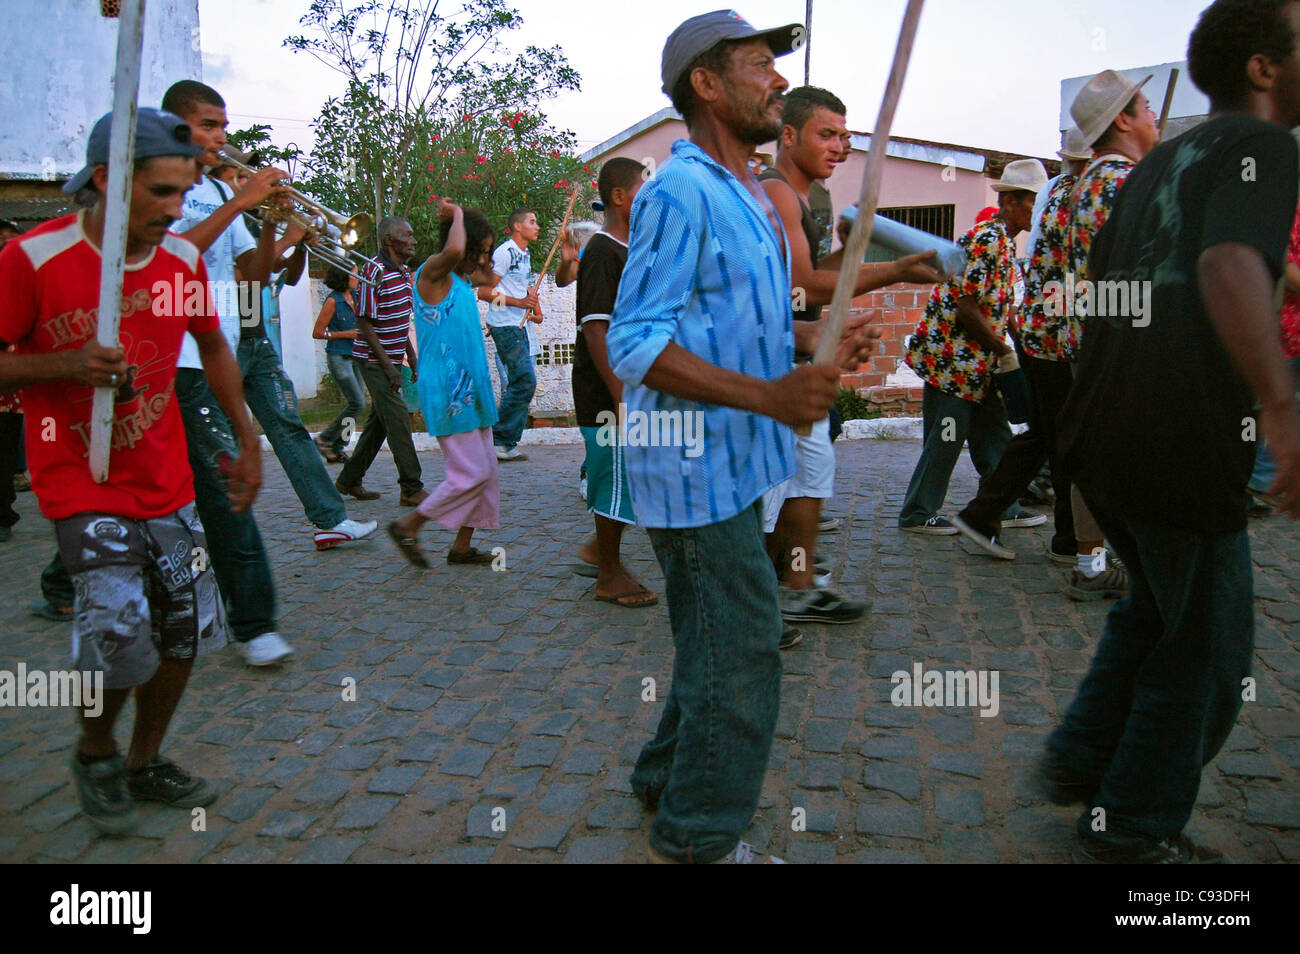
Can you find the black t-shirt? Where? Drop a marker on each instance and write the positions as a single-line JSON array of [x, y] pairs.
[[815, 231], [598, 275], [1153, 430]]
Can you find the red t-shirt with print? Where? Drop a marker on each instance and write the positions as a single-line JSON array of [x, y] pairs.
[[50, 278], [1291, 301]]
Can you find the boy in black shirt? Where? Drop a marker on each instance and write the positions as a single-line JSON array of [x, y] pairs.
[[1159, 435], [597, 392]]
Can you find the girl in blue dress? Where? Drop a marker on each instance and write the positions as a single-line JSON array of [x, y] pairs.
[[455, 389]]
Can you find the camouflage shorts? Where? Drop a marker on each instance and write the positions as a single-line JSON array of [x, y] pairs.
[[145, 591]]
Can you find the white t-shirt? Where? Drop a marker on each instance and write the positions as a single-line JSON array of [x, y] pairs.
[[514, 265], [200, 202]]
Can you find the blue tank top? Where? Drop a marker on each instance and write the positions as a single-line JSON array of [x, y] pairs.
[[345, 319], [455, 388]]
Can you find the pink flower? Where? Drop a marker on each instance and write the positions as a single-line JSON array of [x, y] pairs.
[[479, 160]]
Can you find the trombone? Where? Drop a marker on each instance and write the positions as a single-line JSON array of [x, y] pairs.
[[336, 234]]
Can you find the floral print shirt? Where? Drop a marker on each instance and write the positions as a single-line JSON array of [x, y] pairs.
[[1053, 336], [1091, 202], [940, 352]]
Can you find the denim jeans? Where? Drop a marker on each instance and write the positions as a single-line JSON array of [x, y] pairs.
[[947, 423], [270, 397], [348, 378], [1165, 686], [1265, 466], [1022, 459], [56, 583], [234, 543], [707, 759], [517, 386], [388, 420]]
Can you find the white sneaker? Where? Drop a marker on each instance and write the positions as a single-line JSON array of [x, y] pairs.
[[265, 650], [743, 854], [345, 532], [513, 454]]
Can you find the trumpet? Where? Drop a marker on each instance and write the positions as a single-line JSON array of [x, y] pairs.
[[336, 234]]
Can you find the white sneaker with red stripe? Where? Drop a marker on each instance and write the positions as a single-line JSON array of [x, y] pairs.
[[345, 532]]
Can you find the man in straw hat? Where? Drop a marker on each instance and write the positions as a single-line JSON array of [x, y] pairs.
[[1116, 120], [1153, 433], [1047, 344], [703, 326], [960, 351], [146, 598]]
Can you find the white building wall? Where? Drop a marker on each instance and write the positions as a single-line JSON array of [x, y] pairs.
[[61, 58]]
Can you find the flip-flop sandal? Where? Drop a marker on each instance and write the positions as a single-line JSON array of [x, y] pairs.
[[629, 600], [408, 547], [473, 556], [48, 611]]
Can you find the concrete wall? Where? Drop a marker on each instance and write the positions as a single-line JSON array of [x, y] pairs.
[[61, 57]]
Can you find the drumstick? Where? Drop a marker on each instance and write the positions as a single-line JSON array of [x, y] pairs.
[[573, 197], [1169, 100], [860, 236]]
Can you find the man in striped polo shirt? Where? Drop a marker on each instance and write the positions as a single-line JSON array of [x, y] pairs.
[[703, 334], [381, 345]]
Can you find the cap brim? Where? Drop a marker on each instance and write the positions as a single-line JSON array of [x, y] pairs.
[[79, 181], [784, 39]]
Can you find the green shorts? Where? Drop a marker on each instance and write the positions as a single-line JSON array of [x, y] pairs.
[[607, 490]]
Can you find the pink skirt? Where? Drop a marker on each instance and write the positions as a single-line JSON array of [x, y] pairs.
[[470, 496]]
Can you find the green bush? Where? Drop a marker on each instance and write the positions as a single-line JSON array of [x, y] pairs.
[[854, 408]]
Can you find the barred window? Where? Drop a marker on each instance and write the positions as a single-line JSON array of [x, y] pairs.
[[940, 220], [556, 354]]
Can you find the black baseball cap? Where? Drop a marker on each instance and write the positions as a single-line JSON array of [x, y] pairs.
[[157, 133], [700, 34]]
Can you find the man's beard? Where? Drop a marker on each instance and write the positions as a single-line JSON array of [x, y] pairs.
[[752, 125]]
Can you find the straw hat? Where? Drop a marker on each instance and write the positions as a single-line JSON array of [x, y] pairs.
[[1023, 175], [1075, 148], [1098, 103]]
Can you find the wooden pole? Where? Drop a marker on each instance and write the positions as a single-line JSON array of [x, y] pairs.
[[807, 43], [1169, 100], [121, 156], [860, 236], [573, 197]]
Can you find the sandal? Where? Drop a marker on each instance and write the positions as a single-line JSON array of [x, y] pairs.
[[631, 599], [408, 547], [472, 555], [330, 454]]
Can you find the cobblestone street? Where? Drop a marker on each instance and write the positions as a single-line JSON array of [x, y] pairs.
[[513, 700]]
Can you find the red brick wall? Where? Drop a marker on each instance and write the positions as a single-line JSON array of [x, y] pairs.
[[899, 309]]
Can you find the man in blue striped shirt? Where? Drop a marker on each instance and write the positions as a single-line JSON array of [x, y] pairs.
[[702, 335]]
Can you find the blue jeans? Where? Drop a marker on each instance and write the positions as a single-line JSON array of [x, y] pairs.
[[348, 378], [983, 425], [234, 544], [1265, 466], [270, 397], [517, 387], [707, 759], [1165, 686]]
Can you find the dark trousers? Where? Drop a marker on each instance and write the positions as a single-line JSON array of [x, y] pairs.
[[234, 543], [1049, 386], [1165, 686], [389, 420], [11, 436]]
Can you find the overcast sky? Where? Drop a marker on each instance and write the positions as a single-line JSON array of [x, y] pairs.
[[984, 73]]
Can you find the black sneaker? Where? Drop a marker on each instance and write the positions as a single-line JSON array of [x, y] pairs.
[[1178, 850], [162, 780], [936, 526], [1111, 583], [819, 606], [102, 788], [789, 637]]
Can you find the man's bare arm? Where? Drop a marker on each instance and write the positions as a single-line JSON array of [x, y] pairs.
[[972, 322], [226, 382], [91, 364]]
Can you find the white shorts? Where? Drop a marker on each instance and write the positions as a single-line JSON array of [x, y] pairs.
[[814, 474]]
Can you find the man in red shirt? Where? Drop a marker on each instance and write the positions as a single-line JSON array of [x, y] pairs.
[[147, 601]]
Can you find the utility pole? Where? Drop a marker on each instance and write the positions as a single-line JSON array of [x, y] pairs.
[[807, 47]]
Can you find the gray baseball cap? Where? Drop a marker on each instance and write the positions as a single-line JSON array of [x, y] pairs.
[[157, 133], [700, 34]]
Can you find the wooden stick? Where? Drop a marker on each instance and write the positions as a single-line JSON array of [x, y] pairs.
[[121, 155], [1169, 100], [573, 197], [860, 236]]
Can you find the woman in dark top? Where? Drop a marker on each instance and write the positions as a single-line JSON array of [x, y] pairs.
[[337, 324]]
